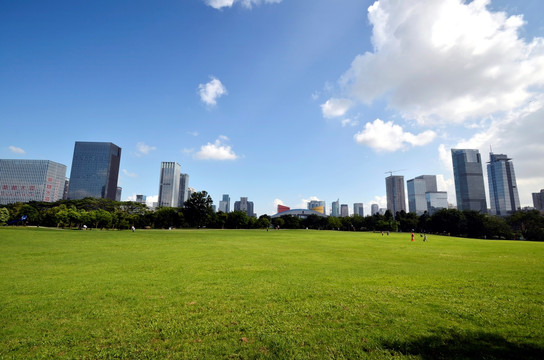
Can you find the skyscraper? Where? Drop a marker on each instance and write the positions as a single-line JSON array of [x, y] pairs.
[[335, 211], [169, 184], [469, 180], [503, 190], [358, 209], [394, 186], [374, 209], [538, 200], [224, 205], [95, 170], [419, 189], [344, 210], [31, 180], [245, 206], [183, 189]]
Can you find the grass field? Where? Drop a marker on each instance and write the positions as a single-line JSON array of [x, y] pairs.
[[247, 294]]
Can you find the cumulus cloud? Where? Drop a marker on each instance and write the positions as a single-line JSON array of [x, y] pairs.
[[386, 136], [216, 151], [335, 107], [219, 4], [211, 91], [144, 149], [16, 150], [447, 60]]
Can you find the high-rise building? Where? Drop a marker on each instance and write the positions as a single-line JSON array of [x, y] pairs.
[[245, 206], [169, 184], [538, 200], [141, 199], [358, 209], [183, 189], [344, 210], [31, 180], [374, 209], [335, 211], [469, 180], [317, 205], [436, 200], [95, 170], [394, 186], [224, 205], [418, 188], [118, 193], [503, 190]]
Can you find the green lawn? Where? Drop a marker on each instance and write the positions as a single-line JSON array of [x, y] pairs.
[[227, 294]]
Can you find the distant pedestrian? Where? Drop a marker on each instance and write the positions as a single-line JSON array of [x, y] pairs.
[[133, 228], [412, 236], [425, 237]]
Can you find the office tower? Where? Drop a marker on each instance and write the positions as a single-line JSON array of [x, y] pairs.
[[317, 205], [418, 188], [436, 200], [169, 184], [469, 180], [118, 193], [141, 199], [503, 190], [224, 205], [245, 206], [31, 180], [374, 209], [358, 209], [344, 211], [183, 189], [95, 170], [335, 208], [394, 186], [538, 200], [66, 187]]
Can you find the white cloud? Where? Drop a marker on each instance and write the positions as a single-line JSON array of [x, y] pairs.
[[446, 61], [386, 136], [216, 151], [16, 150], [349, 122], [335, 107], [211, 91], [219, 4], [149, 200], [144, 149], [193, 133], [129, 174]]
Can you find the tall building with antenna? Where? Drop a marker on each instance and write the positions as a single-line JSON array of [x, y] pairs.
[[503, 190], [396, 198]]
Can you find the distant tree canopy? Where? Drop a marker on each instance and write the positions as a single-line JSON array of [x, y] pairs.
[[197, 212]]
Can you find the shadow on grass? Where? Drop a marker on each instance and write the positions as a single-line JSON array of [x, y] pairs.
[[470, 345]]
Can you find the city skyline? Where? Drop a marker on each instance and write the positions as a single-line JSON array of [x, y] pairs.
[[282, 102]]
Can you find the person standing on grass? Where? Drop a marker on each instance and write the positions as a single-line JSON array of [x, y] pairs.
[[425, 238], [412, 236]]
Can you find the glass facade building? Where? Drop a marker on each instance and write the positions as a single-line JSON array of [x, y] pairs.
[[224, 205], [436, 200], [245, 206], [169, 184], [358, 209], [183, 189], [503, 190], [95, 170], [469, 180], [394, 186], [31, 180], [420, 190]]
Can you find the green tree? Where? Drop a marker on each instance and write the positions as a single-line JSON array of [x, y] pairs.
[[237, 220], [4, 215], [198, 209], [529, 224]]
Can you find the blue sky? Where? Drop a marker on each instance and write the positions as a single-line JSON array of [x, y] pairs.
[[281, 101]]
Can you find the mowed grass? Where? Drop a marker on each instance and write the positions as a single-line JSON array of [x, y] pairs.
[[222, 294]]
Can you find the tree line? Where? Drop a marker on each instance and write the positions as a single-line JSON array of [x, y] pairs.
[[197, 212]]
